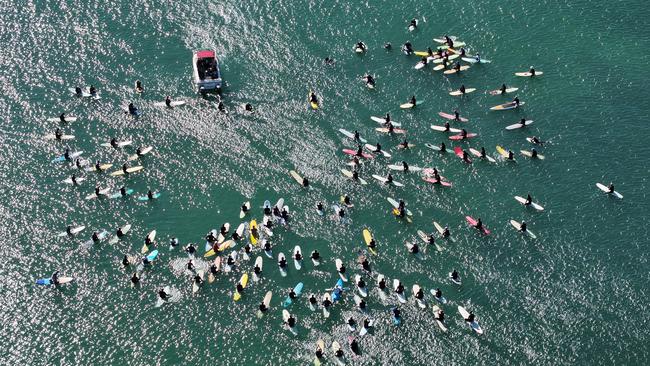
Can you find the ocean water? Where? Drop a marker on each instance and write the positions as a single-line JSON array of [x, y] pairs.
[[575, 295]]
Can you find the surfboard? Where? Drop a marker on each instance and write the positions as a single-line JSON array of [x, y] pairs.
[[217, 264], [411, 105], [297, 263], [338, 264], [528, 74], [443, 129], [152, 237], [461, 137], [326, 312], [62, 137], [499, 91], [453, 71], [421, 303], [456, 93], [267, 302], [297, 177], [363, 291], [441, 325], [174, 103], [94, 195], [243, 281], [71, 157], [73, 231], [382, 121], [146, 198], [478, 155], [195, 286], [386, 130], [349, 174], [605, 189], [297, 290], [258, 263], [473, 325], [48, 281], [253, 226], [517, 226], [473, 60], [367, 238], [351, 135], [452, 117], [385, 181], [124, 229], [473, 223], [519, 125], [120, 172], [401, 296], [373, 148], [532, 204], [119, 143], [102, 167], [283, 271], [66, 119], [530, 154], [313, 105], [506, 106], [401, 168], [143, 152]]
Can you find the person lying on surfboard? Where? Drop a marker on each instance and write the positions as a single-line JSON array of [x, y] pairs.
[[454, 273]]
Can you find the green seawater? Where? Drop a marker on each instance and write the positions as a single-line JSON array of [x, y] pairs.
[[576, 295]]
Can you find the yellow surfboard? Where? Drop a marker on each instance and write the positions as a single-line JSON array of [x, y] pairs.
[[243, 281], [367, 237], [253, 225], [502, 151]]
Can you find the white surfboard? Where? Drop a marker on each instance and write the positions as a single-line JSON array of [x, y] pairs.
[[174, 103], [519, 125], [532, 204]]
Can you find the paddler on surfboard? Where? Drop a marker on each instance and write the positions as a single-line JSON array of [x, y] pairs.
[[370, 81], [163, 295], [407, 48]]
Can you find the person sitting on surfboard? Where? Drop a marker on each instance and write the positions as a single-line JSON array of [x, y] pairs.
[[470, 318], [611, 187], [457, 67], [190, 266], [382, 284], [198, 280], [95, 236], [462, 89], [55, 278], [74, 180], [463, 133], [477, 57], [483, 153], [503, 88], [522, 227], [312, 300], [282, 263], [516, 101], [456, 115], [361, 46], [391, 128], [532, 71], [400, 288], [533, 153], [522, 122], [445, 232], [132, 108], [388, 46], [449, 42], [389, 178], [78, 163], [364, 261], [396, 313], [454, 273], [326, 303], [163, 295], [315, 255], [404, 145], [58, 134], [414, 23], [423, 60], [369, 80], [114, 142], [78, 91], [93, 91], [359, 151], [429, 52], [285, 214], [138, 86], [135, 279], [407, 48], [529, 200], [437, 293], [440, 316], [168, 101], [62, 117], [263, 307], [150, 196], [413, 101], [213, 269], [466, 157], [535, 140], [415, 249], [190, 249], [443, 147], [511, 156], [405, 166]]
